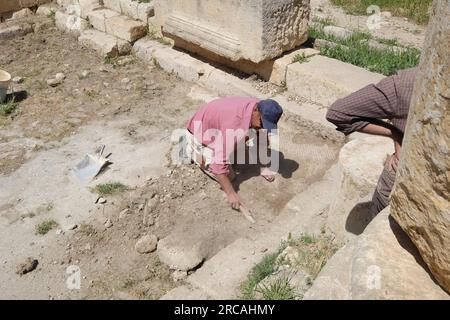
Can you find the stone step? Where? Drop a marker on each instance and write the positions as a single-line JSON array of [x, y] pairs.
[[70, 22], [107, 45], [131, 8], [324, 80], [120, 26], [381, 264]]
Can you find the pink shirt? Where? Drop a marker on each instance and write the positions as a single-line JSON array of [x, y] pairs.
[[219, 125]]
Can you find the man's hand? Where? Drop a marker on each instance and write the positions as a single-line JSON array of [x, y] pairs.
[[234, 200], [268, 174]]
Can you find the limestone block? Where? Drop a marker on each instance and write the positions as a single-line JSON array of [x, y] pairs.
[[145, 47], [10, 32], [254, 30], [380, 264], [337, 32], [421, 200], [15, 5], [324, 80], [278, 75], [361, 162], [46, 9], [181, 64], [113, 5], [22, 14], [126, 28], [105, 44], [70, 23], [87, 6], [98, 18], [145, 11], [129, 8]]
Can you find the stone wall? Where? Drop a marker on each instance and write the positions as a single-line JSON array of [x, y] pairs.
[[15, 5], [421, 200], [252, 30]]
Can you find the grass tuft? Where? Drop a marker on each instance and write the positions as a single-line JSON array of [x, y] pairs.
[[110, 188], [45, 226], [8, 107], [300, 58], [356, 50], [280, 289]]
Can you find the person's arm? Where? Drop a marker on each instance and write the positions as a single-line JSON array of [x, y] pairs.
[[227, 187], [385, 130]]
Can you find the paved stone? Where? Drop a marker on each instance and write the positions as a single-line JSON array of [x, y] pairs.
[[98, 18], [324, 80], [125, 28], [107, 45], [70, 23]]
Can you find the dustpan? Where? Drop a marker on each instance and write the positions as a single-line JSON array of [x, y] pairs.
[[91, 165]]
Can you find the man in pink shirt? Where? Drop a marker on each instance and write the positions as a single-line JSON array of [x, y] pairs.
[[215, 131]]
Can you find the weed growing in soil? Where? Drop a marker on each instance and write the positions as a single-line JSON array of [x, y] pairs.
[[280, 289], [110, 188], [356, 50], [45, 226], [8, 107], [300, 58], [312, 253]]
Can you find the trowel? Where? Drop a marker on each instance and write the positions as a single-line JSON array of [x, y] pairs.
[[91, 165]]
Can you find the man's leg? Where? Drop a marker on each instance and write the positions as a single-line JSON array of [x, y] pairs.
[[380, 199]]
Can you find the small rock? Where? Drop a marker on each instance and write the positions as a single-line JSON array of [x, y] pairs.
[[124, 213], [22, 14], [106, 84], [53, 82], [337, 32], [59, 232], [60, 76], [179, 275], [125, 80], [84, 74], [108, 223], [146, 244], [72, 227], [87, 247], [100, 200], [27, 266], [17, 80], [386, 14]]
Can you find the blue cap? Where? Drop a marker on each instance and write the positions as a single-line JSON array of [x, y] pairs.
[[271, 112]]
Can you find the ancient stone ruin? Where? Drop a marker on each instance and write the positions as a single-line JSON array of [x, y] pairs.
[[421, 201], [239, 33]]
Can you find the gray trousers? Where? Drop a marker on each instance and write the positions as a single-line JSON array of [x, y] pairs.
[[380, 199]]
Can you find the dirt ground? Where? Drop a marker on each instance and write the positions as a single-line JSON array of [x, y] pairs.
[[132, 108]]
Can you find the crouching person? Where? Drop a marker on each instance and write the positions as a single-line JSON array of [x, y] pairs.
[[218, 128], [367, 111]]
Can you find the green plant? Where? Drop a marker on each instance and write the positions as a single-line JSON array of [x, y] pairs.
[[110, 188], [45, 226], [280, 289], [263, 269], [356, 50], [300, 58], [8, 107], [52, 14]]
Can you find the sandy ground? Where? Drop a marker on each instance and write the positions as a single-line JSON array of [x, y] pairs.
[[133, 109]]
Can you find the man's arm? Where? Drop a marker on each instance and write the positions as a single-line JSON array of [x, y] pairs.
[[386, 130], [227, 187]]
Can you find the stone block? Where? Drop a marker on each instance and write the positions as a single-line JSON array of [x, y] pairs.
[[105, 44], [145, 47], [324, 80], [421, 198], [46, 9], [279, 69], [70, 23], [98, 18], [113, 5], [126, 28], [14, 31], [86, 6], [361, 162], [129, 8], [254, 30], [15, 5], [337, 32]]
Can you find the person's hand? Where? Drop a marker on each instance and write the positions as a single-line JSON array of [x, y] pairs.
[[234, 200], [268, 174], [393, 162]]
